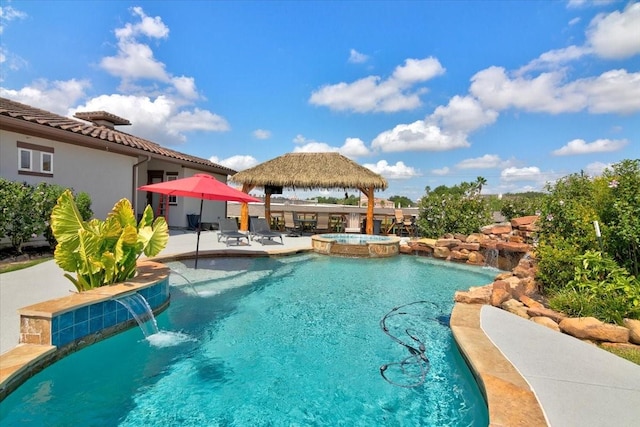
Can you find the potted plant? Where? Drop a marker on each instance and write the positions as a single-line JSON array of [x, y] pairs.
[[104, 252]]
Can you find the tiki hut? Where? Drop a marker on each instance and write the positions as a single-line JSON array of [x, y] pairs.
[[309, 171]]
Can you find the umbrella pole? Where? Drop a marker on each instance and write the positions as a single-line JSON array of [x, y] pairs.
[[198, 239]]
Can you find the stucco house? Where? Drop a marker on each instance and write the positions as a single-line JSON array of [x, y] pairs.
[[87, 153]]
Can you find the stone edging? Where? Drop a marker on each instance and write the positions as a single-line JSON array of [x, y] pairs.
[[510, 400]]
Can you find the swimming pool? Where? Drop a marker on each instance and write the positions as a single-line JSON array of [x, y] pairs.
[[272, 341]]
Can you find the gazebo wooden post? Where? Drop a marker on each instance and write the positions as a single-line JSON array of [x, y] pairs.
[[267, 207], [370, 205], [244, 209]]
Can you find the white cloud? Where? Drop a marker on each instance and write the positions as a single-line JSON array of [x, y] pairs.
[[185, 86], [596, 168], [356, 57], [511, 174], [616, 35], [615, 91], [158, 119], [354, 147], [485, 162], [371, 93], [261, 134], [195, 120], [237, 163], [580, 146], [397, 171], [8, 14], [134, 59], [585, 3], [56, 96], [418, 136], [315, 147], [554, 58], [463, 114], [150, 27], [442, 171]]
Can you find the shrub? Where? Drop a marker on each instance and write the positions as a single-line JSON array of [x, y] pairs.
[[20, 219], [457, 209], [600, 288], [26, 210], [518, 206]]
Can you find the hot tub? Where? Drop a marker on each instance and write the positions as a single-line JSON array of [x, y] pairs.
[[356, 245]]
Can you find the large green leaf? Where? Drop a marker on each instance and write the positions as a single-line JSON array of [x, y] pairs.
[[147, 217], [123, 212], [154, 238], [65, 255], [66, 219]]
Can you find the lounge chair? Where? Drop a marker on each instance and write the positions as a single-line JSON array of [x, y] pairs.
[[291, 223], [228, 229], [322, 222], [260, 229]]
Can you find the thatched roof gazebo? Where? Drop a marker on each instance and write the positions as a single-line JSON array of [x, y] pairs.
[[309, 171]]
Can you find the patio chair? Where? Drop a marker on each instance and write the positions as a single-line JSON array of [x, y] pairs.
[[228, 229], [291, 222], [322, 222], [403, 224], [260, 229]]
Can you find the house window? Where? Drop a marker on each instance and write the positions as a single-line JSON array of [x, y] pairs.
[[172, 177], [24, 159], [46, 162], [36, 160]]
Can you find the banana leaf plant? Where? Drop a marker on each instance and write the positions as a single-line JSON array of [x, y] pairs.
[[104, 252]]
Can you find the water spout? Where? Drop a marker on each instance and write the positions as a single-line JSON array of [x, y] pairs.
[[139, 308], [189, 282]]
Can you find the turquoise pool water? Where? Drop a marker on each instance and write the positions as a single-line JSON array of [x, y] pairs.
[[292, 341]]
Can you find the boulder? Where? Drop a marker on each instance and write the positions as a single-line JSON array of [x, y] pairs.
[[476, 258], [515, 307], [513, 247], [634, 329], [406, 249], [475, 238], [498, 296], [449, 243], [475, 295], [530, 285], [546, 312], [460, 236], [524, 220], [590, 328], [441, 252], [459, 255], [530, 302], [502, 228], [545, 321], [468, 246], [504, 275]]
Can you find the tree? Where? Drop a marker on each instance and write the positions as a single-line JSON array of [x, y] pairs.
[[480, 182], [457, 209], [402, 200]]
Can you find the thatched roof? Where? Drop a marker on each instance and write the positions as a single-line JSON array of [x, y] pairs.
[[311, 171]]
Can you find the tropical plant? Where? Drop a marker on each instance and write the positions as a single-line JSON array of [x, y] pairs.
[[104, 252]]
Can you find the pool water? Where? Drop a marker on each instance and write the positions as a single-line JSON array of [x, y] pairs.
[[292, 341]]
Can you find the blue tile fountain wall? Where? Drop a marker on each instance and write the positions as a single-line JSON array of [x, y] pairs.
[[92, 319]]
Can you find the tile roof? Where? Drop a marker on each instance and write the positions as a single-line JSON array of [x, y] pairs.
[[27, 113]]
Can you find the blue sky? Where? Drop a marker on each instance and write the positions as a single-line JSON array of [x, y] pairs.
[[425, 93]]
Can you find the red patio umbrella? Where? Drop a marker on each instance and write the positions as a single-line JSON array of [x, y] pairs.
[[200, 186]]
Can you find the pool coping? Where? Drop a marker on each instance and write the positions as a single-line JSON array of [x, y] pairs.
[[509, 398]]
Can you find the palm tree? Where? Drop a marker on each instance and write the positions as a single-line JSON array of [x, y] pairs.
[[480, 182]]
